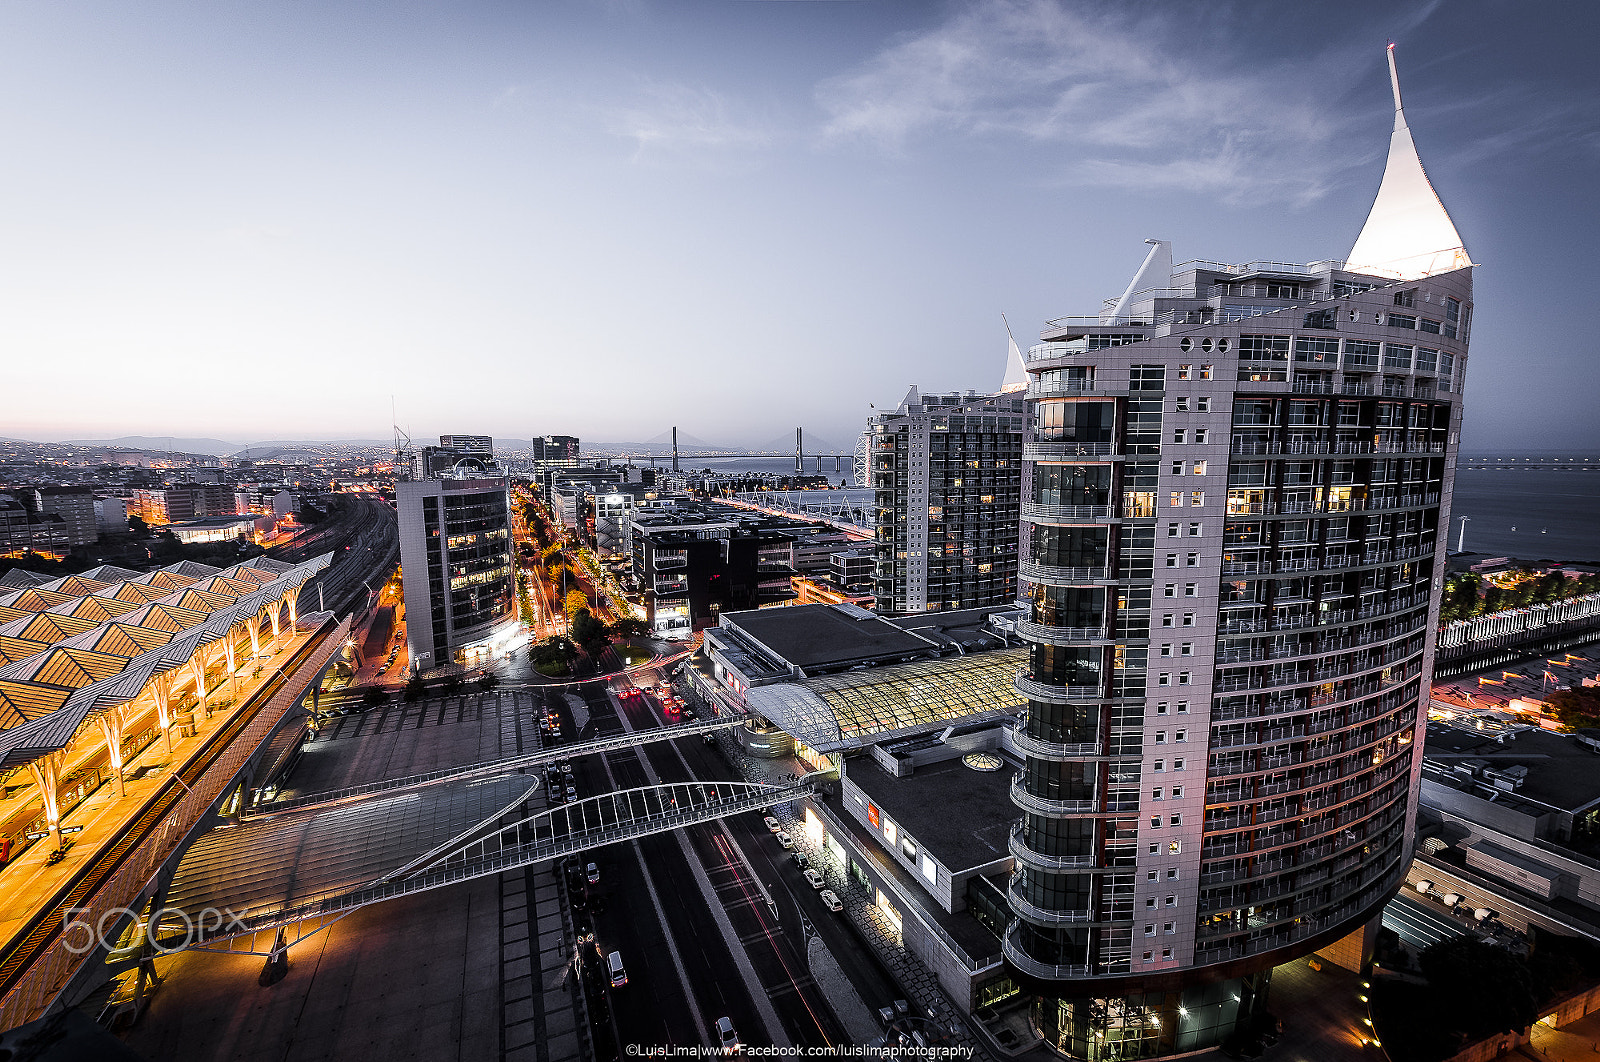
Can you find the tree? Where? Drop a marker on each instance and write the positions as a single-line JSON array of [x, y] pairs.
[[589, 632], [628, 627], [1575, 708], [137, 525], [554, 655], [1479, 988], [1494, 598], [576, 600], [373, 697], [488, 681], [416, 689]]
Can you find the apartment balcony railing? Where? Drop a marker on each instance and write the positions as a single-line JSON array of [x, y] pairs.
[[1038, 632], [1030, 687], [1331, 563], [1273, 507], [1052, 750], [1044, 512], [1019, 958], [1049, 573], [1044, 805], [1062, 449], [1248, 448], [1041, 860], [1330, 618], [1072, 388], [1046, 916]]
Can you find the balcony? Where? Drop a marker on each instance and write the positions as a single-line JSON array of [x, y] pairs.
[[1031, 688], [1049, 573], [1042, 916], [1045, 512], [1051, 750], [1039, 860], [1038, 632], [1045, 806], [1033, 967], [1065, 450], [1072, 389]]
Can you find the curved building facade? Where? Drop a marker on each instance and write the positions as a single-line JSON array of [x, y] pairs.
[[1235, 498]]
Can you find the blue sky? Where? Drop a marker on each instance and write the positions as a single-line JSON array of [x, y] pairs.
[[261, 220]]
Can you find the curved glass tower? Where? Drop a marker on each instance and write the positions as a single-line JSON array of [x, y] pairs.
[[1236, 481]]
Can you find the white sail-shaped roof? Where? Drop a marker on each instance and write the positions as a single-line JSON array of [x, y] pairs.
[[1016, 371], [1155, 273], [1408, 234]]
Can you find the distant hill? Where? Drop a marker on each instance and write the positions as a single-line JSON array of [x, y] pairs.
[[168, 444]]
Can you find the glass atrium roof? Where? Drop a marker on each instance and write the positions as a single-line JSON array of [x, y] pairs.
[[848, 711]]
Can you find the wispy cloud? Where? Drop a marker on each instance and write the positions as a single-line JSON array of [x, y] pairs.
[[1138, 99], [674, 120]]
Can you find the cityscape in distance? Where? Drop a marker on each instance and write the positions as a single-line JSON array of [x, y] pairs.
[[539, 542]]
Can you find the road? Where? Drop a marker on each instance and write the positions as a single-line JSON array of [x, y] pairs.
[[651, 890], [363, 535]]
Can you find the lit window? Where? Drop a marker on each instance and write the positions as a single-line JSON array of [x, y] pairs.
[[890, 834], [1177, 498], [1184, 372], [1174, 847], [1197, 499], [1199, 468], [1205, 372]]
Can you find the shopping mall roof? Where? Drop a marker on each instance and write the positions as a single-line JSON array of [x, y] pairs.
[[77, 645], [836, 712]]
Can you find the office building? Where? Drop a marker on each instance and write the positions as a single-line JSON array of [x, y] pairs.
[[1238, 478], [555, 451], [183, 501], [455, 554], [947, 474], [75, 507]]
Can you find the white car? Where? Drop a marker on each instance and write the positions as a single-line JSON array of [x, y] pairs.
[[815, 878], [772, 823], [831, 901], [784, 839], [593, 874]]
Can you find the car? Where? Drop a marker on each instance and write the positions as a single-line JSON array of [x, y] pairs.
[[830, 900], [566, 767], [772, 823], [572, 792], [592, 872], [784, 839], [802, 860], [815, 877], [727, 1038], [619, 976], [688, 714]]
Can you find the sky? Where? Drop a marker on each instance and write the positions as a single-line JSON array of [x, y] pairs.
[[602, 218]]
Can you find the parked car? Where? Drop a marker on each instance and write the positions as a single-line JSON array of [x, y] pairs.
[[802, 860], [592, 872], [815, 877], [772, 823], [831, 901], [784, 839]]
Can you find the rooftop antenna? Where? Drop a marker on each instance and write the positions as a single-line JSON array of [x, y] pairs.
[[403, 454]]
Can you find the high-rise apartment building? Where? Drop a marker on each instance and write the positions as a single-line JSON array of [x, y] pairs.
[[1237, 481], [558, 451], [455, 554], [75, 507], [947, 475], [181, 501]]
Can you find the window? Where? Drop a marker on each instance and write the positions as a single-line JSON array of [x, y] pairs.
[[1179, 436], [930, 870], [1177, 764], [890, 834], [1177, 468], [1166, 649], [1172, 560], [908, 846], [1174, 847], [1172, 901], [1190, 590], [1406, 298], [1191, 560], [1402, 320], [1161, 737], [1188, 619], [1180, 735], [1150, 929], [1194, 530], [1159, 765], [1164, 679], [1183, 372], [1202, 404], [1197, 499], [1177, 791], [1166, 621], [1172, 873], [1177, 498], [1205, 372], [1150, 903], [1154, 849], [1155, 822], [1148, 956], [1200, 435], [1170, 590], [1172, 530], [1186, 650], [1166, 953], [1182, 406], [1161, 707], [1174, 820], [1151, 876], [1183, 707], [1147, 377], [1169, 927], [1199, 468]]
